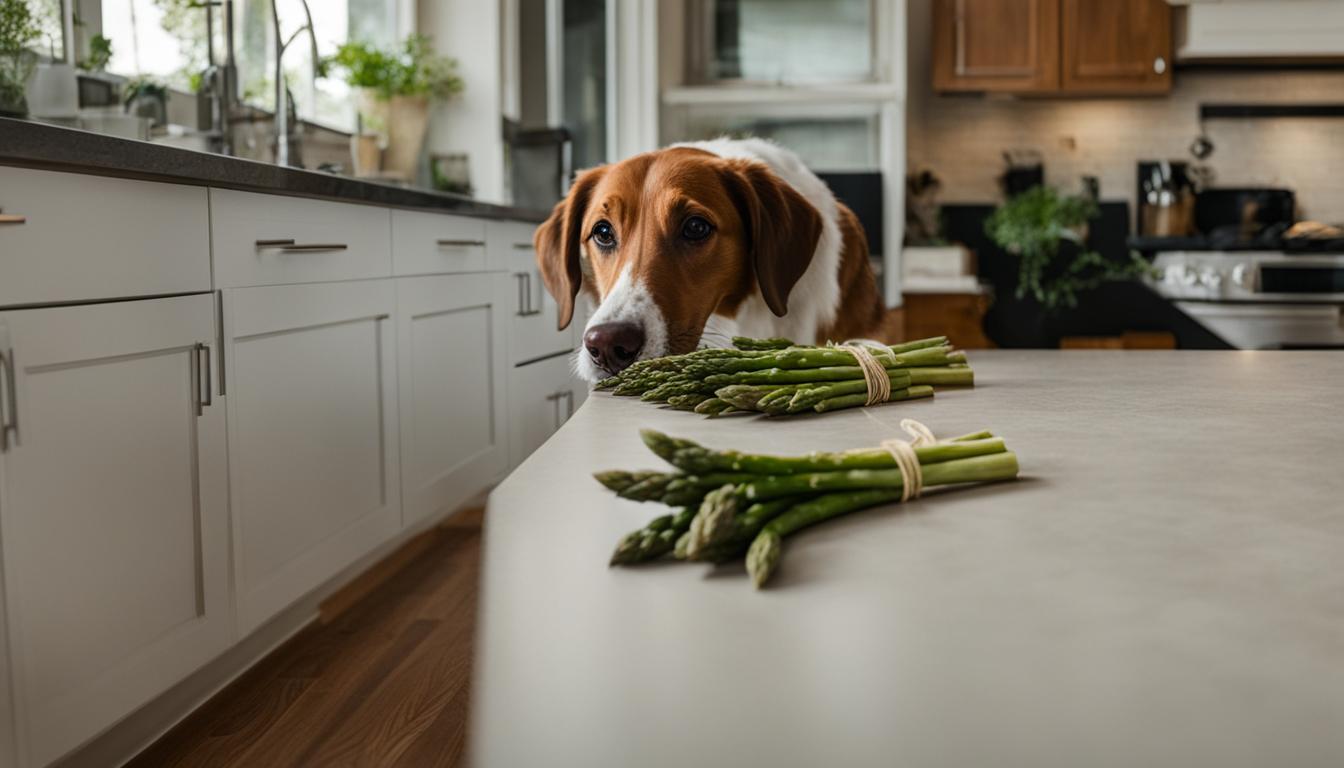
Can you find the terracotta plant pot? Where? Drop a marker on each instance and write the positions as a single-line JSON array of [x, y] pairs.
[[407, 122]]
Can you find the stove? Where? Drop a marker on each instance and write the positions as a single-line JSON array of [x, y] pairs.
[[1258, 299]]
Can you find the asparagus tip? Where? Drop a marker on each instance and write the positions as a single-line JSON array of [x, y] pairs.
[[763, 557]]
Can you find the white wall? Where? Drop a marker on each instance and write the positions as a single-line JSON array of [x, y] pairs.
[[469, 31]]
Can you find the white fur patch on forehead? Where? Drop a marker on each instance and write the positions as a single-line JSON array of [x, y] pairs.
[[628, 301]]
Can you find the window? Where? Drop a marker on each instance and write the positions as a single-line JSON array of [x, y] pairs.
[[784, 41], [49, 16], [166, 40]]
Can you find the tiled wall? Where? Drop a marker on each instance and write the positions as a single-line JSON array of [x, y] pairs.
[[961, 138]]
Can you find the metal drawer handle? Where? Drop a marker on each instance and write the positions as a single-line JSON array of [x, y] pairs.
[[525, 308], [12, 218], [12, 408], [205, 397], [460, 243], [289, 246], [523, 247]]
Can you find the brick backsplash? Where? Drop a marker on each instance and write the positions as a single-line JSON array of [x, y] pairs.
[[961, 138]]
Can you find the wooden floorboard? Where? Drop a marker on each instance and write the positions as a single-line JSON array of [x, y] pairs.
[[385, 683]]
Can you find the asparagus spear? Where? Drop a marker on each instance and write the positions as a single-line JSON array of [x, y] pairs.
[[857, 401], [764, 553], [618, 480], [744, 342], [654, 540], [693, 458], [1001, 465], [944, 376]]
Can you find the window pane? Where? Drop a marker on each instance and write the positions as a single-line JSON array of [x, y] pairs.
[[824, 142], [585, 79], [47, 14], [791, 41], [159, 39]]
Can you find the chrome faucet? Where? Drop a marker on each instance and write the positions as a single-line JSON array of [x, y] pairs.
[[286, 144], [219, 84]]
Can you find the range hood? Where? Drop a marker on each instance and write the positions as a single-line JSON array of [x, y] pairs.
[[1249, 30]]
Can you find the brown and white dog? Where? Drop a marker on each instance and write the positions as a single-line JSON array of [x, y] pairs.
[[689, 245]]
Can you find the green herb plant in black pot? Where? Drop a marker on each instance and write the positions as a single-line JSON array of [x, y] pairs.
[[1047, 232]]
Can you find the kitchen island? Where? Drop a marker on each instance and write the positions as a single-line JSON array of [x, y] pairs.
[[1161, 587]]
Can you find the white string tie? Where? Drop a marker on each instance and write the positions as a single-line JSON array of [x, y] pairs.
[[903, 452], [875, 375]]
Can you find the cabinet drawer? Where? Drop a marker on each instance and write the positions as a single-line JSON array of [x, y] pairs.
[[535, 314], [273, 240], [542, 397], [72, 237], [435, 243]]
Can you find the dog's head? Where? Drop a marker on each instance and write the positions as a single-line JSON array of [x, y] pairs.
[[664, 240]]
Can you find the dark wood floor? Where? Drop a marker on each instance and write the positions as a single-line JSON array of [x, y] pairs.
[[385, 683]]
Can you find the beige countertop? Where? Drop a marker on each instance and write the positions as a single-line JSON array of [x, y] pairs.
[[1164, 586]]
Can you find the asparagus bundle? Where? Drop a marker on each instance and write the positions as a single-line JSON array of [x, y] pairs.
[[777, 377], [733, 504]]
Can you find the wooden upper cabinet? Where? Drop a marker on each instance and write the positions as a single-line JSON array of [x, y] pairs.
[[1052, 46], [1116, 46], [996, 45]]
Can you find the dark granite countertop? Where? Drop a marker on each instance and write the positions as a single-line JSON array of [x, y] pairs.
[[39, 145]]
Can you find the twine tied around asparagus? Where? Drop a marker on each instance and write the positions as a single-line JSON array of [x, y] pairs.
[[874, 372], [903, 452]]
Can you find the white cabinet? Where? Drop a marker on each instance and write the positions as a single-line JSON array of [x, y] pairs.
[[69, 237], [273, 240], [542, 396], [452, 374], [113, 512], [535, 325], [313, 435], [435, 243]]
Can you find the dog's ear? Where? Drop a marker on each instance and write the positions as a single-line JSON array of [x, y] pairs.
[[559, 240], [781, 226]]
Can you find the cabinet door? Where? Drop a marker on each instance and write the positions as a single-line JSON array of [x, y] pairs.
[[542, 396], [113, 511], [1116, 46], [536, 315], [450, 341], [313, 435], [996, 45]]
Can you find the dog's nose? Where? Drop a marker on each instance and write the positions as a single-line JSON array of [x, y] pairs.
[[614, 346]]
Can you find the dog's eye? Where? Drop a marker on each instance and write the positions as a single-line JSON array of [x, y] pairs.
[[604, 235], [696, 228]]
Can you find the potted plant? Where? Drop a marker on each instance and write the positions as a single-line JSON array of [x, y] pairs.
[[394, 89], [18, 32], [1047, 232]]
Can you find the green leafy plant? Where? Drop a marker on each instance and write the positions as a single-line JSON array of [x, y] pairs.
[[411, 70], [19, 30], [1034, 226], [100, 52]]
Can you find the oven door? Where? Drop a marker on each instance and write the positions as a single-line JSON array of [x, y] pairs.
[[1271, 326]]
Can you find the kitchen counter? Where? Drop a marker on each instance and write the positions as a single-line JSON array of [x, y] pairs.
[[39, 145], [1161, 587]]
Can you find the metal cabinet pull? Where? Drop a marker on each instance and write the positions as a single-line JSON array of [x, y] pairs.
[[531, 310], [8, 423], [204, 395], [460, 243], [569, 404], [289, 246], [523, 247], [521, 277], [12, 218], [554, 399]]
